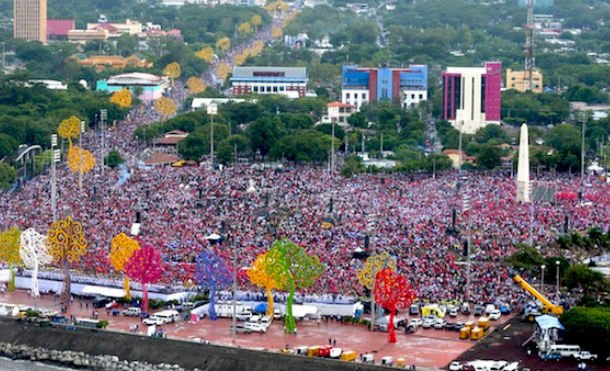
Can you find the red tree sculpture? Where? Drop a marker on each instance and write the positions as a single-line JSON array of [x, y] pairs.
[[392, 292], [144, 266]]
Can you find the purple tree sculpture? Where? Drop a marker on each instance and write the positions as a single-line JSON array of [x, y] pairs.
[[212, 273]]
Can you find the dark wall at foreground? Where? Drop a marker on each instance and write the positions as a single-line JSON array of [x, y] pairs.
[[186, 354]]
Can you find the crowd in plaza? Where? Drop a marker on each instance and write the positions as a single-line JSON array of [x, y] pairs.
[[406, 215]]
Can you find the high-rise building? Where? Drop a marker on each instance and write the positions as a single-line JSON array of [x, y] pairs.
[[471, 96], [30, 20], [360, 85], [289, 81]]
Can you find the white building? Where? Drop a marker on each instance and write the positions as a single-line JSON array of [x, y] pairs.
[[339, 112]]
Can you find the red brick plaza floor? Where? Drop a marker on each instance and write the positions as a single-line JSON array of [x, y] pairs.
[[426, 347]]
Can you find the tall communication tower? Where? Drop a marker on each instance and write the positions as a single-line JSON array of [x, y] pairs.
[[530, 61]]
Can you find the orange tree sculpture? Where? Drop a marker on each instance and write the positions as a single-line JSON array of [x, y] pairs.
[[121, 249], [257, 274], [144, 266], [392, 292], [67, 243], [9, 252], [291, 268]]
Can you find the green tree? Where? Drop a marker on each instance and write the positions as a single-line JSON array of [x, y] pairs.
[[526, 258], [581, 276], [8, 145], [589, 327], [263, 134], [113, 159], [489, 156], [352, 165], [8, 175]]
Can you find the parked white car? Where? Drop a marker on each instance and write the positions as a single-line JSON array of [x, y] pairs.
[[585, 356], [132, 312], [455, 366], [153, 321], [255, 327], [266, 321], [427, 323], [415, 322], [495, 314]]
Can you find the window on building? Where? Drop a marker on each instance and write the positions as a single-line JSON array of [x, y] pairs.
[[341, 119], [255, 89], [512, 85], [282, 88], [412, 96], [275, 88], [364, 96], [421, 96], [355, 95], [269, 89], [346, 95]]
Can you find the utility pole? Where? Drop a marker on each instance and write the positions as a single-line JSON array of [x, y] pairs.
[[530, 61], [54, 160], [583, 121], [80, 158], [212, 110], [542, 279], [466, 207], [103, 117], [332, 150], [232, 241], [371, 229], [460, 147]]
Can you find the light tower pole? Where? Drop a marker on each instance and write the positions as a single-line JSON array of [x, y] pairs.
[[80, 157], [466, 207], [212, 110], [54, 160], [103, 117]]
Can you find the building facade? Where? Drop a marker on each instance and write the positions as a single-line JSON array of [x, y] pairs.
[[339, 112], [289, 81], [360, 85], [518, 81], [471, 96], [152, 86], [30, 20]]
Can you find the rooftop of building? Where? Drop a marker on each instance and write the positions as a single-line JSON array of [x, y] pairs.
[[135, 77], [245, 72], [339, 104], [59, 27]]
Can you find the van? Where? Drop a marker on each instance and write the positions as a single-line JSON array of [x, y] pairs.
[[387, 361], [167, 316], [483, 323], [336, 353], [348, 355], [244, 314], [132, 312], [368, 358], [302, 351], [476, 333], [565, 350], [465, 332]]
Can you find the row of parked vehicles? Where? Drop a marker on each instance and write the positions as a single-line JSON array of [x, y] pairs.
[[327, 351], [484, 365]]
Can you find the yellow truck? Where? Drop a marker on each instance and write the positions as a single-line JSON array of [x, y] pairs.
[[483, 323], [348, 355], [476, 333]]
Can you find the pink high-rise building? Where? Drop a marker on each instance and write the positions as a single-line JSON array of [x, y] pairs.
[[471, 96]]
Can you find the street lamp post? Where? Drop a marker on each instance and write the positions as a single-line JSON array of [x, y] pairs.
[[557, 288], [460, 147], [542, 279], [80, 157], [371, 227], [466, 207], [332, 149], [103, 117], [212, 110], [54, 160]]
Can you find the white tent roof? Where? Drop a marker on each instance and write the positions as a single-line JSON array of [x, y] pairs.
[[105, 291], [213, 236]]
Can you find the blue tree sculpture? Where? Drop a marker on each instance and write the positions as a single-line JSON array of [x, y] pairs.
[[212, 273]]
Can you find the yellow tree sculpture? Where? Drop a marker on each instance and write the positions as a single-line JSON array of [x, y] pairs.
[[244, 28], [207, 54], [74, 159], [165, 107], [172, 70], [67, 243], [258, 276], [9, 252], [195, 85], [223, 70], [276, 32], [256, 21], [121, 249], [223, 44], [69, 129], [122, 98], [377, 263]]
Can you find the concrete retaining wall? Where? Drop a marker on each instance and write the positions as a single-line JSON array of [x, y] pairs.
[[187, 354]]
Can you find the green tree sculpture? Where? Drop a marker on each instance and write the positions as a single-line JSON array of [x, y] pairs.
[[290, 266]]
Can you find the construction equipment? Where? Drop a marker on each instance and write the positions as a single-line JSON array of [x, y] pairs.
[[550, 307]]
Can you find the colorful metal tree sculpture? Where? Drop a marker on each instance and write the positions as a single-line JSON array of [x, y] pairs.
[[291, 268], [212, 273], [207, 54], [165, 107], [121, 249], [74, 160], [257, 274], [195, 85], [67, 243], [377, 263], [392, 292], [9, 252], [69, 129], [144, 266], [34, 253]]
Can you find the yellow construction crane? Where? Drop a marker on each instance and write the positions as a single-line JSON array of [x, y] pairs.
[[555, 309]]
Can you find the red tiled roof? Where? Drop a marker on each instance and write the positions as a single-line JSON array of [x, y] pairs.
[[59, 27], [157, 158], [339, 104], [169, 140], [107, 26]]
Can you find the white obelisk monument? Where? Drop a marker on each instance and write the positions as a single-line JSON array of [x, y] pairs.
[[523, 169]]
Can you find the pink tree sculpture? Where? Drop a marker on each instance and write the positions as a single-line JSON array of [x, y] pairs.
[[144, 266], [392, 292]]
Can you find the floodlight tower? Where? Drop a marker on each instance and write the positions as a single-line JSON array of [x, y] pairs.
[[530, 61]]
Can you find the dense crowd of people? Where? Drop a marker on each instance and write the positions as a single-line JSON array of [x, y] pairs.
[[404, 214]]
